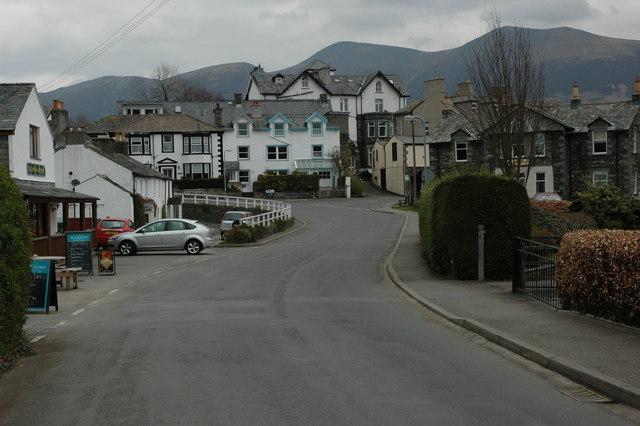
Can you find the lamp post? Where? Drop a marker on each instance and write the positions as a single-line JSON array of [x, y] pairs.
[[224, 172], [412, 118]]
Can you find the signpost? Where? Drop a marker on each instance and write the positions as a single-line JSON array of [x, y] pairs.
[[79, 251], [106, 263], [43, 286]]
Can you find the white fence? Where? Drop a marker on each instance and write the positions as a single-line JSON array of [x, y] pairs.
[[275, 209]]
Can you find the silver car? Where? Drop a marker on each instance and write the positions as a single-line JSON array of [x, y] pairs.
[[165, 234]]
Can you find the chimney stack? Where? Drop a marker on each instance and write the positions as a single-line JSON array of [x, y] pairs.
[[635, 98], [465, 88], [237, 97], [59, 123], [217, 113], [256, 109], [575, 99]]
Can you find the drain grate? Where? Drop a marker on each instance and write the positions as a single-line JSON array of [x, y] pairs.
[[582, 394]]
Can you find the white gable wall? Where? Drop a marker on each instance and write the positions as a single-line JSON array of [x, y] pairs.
[[19, 143]]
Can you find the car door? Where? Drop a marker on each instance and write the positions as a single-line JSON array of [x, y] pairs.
[[175, 234], [151, 237]]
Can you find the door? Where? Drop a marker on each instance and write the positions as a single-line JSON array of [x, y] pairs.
[[151, 236]]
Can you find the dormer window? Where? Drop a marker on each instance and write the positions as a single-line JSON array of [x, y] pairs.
[[278, 79], [242, 130], [599, 142], [316, 128], [279, 129]]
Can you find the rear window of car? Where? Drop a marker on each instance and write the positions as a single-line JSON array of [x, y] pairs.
[[235, 215], [112, 224]]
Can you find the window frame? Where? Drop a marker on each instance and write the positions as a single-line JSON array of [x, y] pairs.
[[242, 129], [600, 182], [539, 140], [165, 143], [244, 176], [382, 129], [279, 129], [317, 151], [599, 141], [458, 150], [277, 153], [540, 182], [242, 155], [205, 170], [378, 86], [34, 141], [315, 130], [394, 151], [344, 104], [371, 129], [379, 105]]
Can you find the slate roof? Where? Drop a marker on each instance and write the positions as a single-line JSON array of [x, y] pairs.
[[149, 123], [448, 126], [13, 98], [128, 163], [619, 114], [42, 191], [348, 85]]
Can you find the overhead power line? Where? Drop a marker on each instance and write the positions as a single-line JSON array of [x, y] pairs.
[[145, 13]]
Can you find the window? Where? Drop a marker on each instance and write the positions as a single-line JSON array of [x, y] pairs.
[[243, 153], [382, 129], [462, 153], [541, 182], [243, 176], [135, 145], [316, 151], [378, 87], [324, 174], [539, 146], [197, 170], [371, 129], [522, 177], [242, 130], [344, 104], [635, 140], [34, 142], [167, 143], [277, 172], [635, 181], [316, 128], [600, 178], [277, 152], [278, 129], [196, 145], [394, 151], [599, 138], [379, 105], [517, 150], [305, 82]]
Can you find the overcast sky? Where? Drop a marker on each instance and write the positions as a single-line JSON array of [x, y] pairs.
[[60, 43]]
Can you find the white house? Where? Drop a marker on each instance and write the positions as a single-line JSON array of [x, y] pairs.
[[27, 151], [276, 138], [353, 96]]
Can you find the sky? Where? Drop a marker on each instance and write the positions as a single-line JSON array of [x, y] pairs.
[[61, 43]]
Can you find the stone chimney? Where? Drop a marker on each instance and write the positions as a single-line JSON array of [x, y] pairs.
[[217, 113], [447, 107], [237, 98], [635, 98], [59, 123], [575, 98], [256, 109], [434, 95], [465, 88]]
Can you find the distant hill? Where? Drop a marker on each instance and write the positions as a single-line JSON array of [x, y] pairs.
[[604, 67]]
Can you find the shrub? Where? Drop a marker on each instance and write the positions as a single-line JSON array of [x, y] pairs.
[[452, 208], [16, 248], [249, 234], [546, 223], [283, 183], [553, 206], [609, 206], [215, 183], [598, 272]]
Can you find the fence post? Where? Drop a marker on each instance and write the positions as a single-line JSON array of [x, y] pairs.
[[481, 233], [516, 273]]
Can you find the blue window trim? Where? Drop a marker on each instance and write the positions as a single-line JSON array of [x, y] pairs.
[[321, 150]]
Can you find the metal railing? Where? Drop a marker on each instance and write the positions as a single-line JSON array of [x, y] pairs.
[[276, 210], [534, 268]]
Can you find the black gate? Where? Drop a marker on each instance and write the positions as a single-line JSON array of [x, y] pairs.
[[534, 268]]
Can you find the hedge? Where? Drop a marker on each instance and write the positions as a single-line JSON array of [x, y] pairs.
[[283, 183], [598, 273], [16, 248], [452, 208], [216, 183]]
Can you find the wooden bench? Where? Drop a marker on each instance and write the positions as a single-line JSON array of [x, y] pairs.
[[68, 274]]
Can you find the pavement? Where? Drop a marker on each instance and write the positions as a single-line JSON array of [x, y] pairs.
[[599, 354]]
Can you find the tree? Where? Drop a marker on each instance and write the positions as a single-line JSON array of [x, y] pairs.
[[509, 82], [165, 84], [342, 160]]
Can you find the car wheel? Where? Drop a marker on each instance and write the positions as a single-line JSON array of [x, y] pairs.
[[127, 248], [193, 247]]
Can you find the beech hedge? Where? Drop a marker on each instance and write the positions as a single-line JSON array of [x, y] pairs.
[[598, 273]]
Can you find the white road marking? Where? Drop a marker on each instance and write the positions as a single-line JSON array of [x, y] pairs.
[[79, 311], [37, 339]]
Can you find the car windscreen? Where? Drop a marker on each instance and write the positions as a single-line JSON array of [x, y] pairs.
[[112, 224], [234, 216]]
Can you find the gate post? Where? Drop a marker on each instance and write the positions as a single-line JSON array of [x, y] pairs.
[[516, 277]]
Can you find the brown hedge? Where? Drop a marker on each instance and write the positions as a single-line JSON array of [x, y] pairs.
[[598, 273], [554, 206]]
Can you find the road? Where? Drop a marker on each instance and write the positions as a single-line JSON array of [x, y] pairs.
[[304, 330]]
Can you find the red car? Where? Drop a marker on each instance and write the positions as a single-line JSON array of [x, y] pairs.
[[111, 226]]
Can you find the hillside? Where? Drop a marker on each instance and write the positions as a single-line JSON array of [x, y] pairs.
[[604, 67]]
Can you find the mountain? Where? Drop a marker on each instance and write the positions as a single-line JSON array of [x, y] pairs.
[[604, 67]]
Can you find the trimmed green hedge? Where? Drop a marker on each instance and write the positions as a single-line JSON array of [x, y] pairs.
[[450, 211], [16, 248], [284, 183], [216, 183]]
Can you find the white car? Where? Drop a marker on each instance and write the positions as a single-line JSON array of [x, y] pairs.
[[165, 234], [231, 219]]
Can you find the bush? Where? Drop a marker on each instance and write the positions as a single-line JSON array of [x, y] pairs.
[[452, 208], [215, 183], [250, 234], [16, 248], [283, 183], [548, 224], [598, 272], [609, 206], [553, 206]]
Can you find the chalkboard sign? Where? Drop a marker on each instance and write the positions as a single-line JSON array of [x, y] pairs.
[[79, 251], [43, 287], [106, 263]]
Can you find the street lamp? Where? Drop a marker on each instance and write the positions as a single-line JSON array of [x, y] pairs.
[[412, 118], [224, 172]]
